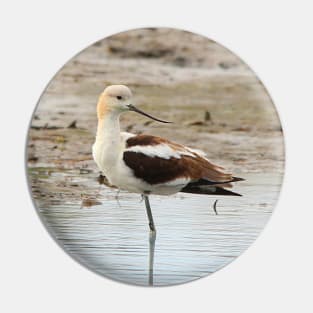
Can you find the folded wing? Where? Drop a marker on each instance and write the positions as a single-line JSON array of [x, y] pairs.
[[159, 161]]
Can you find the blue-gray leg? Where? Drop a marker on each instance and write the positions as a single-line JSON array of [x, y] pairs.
[[149, 213]]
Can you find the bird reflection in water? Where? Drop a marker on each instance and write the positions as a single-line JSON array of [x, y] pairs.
[[102, 180]]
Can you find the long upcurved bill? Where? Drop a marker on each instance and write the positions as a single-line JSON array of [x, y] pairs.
[[134, 109]]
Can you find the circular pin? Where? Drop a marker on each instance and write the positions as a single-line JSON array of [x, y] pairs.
[[155, 157]]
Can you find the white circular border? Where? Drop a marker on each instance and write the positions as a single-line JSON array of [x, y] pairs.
[[274, 40]]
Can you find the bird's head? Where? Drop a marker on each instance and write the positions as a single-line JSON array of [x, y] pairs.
[[116, 99]]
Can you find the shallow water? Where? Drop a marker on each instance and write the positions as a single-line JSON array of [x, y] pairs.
[[112, 237]]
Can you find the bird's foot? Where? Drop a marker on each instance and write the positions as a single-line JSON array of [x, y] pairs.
[[101, 179]]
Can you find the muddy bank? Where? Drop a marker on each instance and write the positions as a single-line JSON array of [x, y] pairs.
[[215, 101]]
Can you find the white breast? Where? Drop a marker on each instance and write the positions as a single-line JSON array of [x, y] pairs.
[[108, 155]]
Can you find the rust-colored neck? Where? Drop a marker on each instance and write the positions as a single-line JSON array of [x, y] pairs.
[[101, 107]]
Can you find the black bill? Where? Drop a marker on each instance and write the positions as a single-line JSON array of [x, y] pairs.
[[133, 108]]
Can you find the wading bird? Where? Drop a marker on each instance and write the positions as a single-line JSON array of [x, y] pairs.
[[147, 164]]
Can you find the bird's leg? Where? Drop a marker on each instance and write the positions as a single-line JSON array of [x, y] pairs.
[[214, 206], [149, 213]]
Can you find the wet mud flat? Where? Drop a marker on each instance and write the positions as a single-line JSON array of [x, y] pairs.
[[213, 99], [215, 103]]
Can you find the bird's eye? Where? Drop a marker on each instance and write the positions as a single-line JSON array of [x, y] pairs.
[[119, 97]]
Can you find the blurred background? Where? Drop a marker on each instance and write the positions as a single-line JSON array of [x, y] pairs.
[[215, 101]]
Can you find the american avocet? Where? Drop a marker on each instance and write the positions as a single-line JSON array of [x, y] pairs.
[[147, 164]]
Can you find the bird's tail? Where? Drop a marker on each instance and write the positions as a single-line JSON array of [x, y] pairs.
[[206, 187], [209, 190]]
